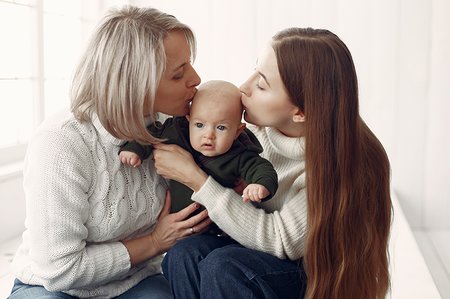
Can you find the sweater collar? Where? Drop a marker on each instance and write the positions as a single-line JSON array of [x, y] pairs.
[[104, 134], [290, 147]]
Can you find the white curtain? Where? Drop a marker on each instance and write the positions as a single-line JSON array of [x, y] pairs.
[[401, 50]]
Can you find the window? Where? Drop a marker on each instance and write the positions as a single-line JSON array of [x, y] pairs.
[[41, 44]]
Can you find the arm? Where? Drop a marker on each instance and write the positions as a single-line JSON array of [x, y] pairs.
[[169, 229], [57, 181], [281, 233], [143, 151], [260, 175]]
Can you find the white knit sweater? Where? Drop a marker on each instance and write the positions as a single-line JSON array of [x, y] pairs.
[[81, 202], [279, 228]]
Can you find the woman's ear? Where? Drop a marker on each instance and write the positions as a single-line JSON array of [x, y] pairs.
[[299, 116], [239, 130]]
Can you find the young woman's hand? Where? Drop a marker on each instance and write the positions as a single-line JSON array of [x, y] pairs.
[[175, 163]]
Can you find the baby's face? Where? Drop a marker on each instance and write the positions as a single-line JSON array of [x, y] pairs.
[[213, 126]]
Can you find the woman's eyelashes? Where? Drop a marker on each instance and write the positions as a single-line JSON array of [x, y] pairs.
[[178, 76]]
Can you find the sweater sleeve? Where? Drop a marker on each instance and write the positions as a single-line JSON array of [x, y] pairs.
[[143, 151], [257, 170], [57, 182], [281, 233]]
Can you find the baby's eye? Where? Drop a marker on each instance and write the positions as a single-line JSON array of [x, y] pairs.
[[198, 125], [221, 127]]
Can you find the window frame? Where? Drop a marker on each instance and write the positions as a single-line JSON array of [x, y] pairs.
[[15, 153]]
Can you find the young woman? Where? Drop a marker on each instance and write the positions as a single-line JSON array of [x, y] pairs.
[[330, 218], [94, 227]]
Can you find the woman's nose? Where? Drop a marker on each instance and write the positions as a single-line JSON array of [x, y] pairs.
[[194, 78], [245, 87]]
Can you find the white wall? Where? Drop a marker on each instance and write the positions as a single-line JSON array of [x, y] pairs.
[[12, 203]]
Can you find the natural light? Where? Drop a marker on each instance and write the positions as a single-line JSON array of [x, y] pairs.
[[44, 41]]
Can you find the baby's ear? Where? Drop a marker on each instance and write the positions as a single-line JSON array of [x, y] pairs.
[[240, 129], [187, 117]]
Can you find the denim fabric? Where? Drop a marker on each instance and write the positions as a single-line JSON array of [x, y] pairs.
[[153, 287], [207, 266]]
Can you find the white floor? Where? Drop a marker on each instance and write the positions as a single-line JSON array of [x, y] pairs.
[[435, 248], [413, 275], [7, 251]]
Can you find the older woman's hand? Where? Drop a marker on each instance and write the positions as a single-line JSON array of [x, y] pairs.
[[169, 229], [172, 227], [175, 163]]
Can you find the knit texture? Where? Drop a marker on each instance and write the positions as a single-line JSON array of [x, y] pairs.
[[277, 226], [81, 202]]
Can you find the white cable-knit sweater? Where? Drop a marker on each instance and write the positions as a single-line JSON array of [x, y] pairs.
[[279, 228], [81, 202]]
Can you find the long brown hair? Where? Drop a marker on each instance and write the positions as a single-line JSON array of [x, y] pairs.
[[348, 172]]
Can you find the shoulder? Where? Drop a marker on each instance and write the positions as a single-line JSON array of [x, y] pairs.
[[61, 135]]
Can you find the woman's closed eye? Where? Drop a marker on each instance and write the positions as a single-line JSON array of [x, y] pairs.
[[259, 86], [178, 76]]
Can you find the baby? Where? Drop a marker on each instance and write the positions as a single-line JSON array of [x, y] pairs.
[[218, 141]]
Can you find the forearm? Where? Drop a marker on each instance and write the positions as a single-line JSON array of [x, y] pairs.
[[143, 248], [280, 233], [196, 180]]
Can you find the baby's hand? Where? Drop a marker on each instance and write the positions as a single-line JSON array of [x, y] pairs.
[[255, 192], [130, 158]]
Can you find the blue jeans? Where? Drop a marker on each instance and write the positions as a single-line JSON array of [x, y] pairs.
[[153, 287], [207, 266]]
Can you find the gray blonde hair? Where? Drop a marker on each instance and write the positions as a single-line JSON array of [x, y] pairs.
[[122, 67]]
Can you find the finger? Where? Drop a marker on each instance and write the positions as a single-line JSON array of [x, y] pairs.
[[195, 220], [163, 146], [184, 213], [202, 226], [259, 193], [198, 229]]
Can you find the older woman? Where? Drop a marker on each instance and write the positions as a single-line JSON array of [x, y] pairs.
[[94, 227]]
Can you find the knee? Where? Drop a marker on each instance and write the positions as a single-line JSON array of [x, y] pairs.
[[185, 249], [178, 254], [230, 260]]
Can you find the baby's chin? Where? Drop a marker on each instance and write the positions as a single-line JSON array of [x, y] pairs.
[[210, 153]]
